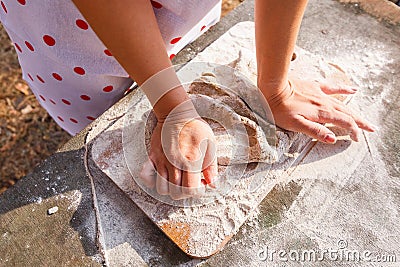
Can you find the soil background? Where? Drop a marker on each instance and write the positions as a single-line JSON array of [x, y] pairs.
[[28, 134]]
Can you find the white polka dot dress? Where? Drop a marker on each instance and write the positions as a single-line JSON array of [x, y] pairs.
[[70, 71]]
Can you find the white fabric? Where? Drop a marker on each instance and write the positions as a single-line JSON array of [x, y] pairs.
[[69, 69]]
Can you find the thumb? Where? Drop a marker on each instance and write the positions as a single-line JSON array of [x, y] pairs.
[[210, 166], [148, 174]]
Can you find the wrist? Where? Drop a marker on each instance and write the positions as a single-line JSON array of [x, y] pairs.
[[175, 107], [276, 91], [165, 93], [176, 100]]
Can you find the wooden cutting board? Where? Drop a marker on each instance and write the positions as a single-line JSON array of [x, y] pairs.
[[200, 231]]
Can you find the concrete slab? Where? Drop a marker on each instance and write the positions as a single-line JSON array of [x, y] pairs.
[[29, 236], [382, 9], [317, 209]]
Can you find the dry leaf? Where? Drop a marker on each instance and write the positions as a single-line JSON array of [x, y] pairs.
[[23, 88], [9, 103], [27, 109]]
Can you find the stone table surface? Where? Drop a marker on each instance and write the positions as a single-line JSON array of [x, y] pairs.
[[341, 201]]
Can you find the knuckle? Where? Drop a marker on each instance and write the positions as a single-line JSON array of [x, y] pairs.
[[316, 102], [348, 122], [175, 179], [192, 154], [317, 131], [157, 159], [339, 105], [326, 113]]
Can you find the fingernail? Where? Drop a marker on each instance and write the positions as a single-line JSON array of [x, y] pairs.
[[374, 128], [351, 89], [330, 138]]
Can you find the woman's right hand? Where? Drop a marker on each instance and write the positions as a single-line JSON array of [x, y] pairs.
[[182, 148]]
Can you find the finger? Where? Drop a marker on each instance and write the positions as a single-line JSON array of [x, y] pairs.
[[210, 166], [148, 174], [210, 174], [162, 180], [331, 89], [315, 130], [342, 120], [191, 184], [175, 183], [362, 123]]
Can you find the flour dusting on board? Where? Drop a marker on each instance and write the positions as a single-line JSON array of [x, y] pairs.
[[202, 230]]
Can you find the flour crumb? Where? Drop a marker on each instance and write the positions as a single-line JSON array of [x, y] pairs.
[[52, 210]]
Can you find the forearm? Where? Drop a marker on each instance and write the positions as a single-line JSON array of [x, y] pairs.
[[277, 26], [130, 31]]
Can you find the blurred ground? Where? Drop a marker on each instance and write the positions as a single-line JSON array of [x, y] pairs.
[[228, 5], [27, 133]]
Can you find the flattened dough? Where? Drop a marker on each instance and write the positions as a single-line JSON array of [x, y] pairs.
[[239, 138]]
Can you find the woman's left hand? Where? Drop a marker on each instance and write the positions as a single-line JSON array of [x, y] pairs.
[[305, 106]]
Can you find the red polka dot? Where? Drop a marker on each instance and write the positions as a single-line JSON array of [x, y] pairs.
[[42, 97], [18, 47], [66, 102], [79, 70], [156, 4], [82, 24], [108, 53], [52, 101], [171, 56], [40, 79], [49, 40], [22, 2], [90, 118], [175, 40], [61, 119], [73, 120], [203, 27], [29, 45], [57, 76], [30, 77], [108, 89], [3, 6], [85, 97]]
